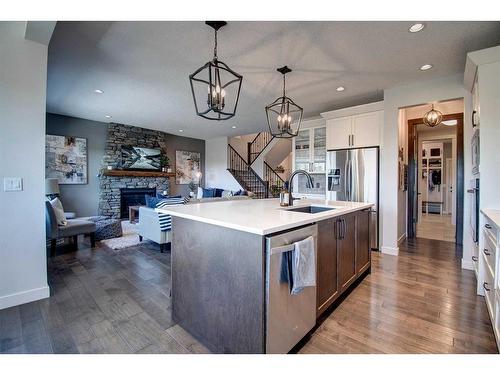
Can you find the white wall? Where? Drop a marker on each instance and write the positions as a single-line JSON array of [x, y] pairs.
[[23, 76], [216, 173], [395, 98]]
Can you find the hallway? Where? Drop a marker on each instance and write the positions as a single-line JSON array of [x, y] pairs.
[[436, 227]]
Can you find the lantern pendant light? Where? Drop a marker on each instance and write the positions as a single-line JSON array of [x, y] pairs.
[[433, 118], [215, 86], [283, 112]]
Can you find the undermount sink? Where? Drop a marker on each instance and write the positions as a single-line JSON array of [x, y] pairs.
[[310, 209]]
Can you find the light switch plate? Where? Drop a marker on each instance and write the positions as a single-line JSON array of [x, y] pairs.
[[12, 184]]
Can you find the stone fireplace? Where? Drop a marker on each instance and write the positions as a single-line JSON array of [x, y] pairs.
[[133, 197], [111, 186]]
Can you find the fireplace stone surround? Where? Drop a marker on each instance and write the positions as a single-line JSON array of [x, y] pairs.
[[119, 135]]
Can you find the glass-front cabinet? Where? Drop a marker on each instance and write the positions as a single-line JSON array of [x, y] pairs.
[[309, 148]]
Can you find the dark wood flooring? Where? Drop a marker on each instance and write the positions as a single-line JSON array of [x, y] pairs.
[[419, 302], [106, 301], [102, 301]]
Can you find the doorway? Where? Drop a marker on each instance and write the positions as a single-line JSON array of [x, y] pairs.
[[435, 179]]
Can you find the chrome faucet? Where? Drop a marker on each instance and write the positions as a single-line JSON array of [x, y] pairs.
[[310, 184]]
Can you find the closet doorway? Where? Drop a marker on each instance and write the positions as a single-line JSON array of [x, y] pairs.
[[435, 179]]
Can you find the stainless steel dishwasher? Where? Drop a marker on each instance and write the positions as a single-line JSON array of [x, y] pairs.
[[288, 317]]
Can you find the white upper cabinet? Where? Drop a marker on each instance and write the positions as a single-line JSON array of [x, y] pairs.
[[366, 129], [338, 132], [359, 128]]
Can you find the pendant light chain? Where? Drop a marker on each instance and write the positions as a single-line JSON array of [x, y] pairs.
[[215, 45]]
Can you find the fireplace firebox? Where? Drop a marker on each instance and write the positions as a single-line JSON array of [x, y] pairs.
[[133, 197]]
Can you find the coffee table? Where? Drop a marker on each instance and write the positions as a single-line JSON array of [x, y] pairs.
[[133, 213]]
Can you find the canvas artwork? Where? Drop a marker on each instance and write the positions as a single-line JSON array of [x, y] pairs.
[[141, 158], [187, 164], [66, 159]]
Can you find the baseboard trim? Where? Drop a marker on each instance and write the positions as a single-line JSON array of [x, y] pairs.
[[467, 265], [24, 297], [390, 250], [401, 239]]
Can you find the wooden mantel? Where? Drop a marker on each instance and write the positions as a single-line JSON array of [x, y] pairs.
[[125, 173]]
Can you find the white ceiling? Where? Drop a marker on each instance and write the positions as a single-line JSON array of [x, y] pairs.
[[143, 67]]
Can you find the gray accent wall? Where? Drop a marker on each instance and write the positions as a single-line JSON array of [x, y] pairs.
[[81, 199], [84, 199]]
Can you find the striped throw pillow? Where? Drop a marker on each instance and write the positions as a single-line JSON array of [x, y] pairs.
[[165, 219], [171, 202]]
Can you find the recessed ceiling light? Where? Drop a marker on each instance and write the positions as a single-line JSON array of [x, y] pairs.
[[180, 130], [98, 91], [234, 127], [426, 67], [416, 28], [340, 88], [108, 116]]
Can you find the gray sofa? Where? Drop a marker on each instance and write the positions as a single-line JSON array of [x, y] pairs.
[[73, 229]]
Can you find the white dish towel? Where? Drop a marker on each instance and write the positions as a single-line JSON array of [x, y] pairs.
[[303, 265]]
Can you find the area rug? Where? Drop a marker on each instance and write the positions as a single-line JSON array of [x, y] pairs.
[[129, 237]]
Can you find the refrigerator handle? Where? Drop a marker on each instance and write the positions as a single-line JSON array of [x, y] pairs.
[[347, 180], [350, 181]]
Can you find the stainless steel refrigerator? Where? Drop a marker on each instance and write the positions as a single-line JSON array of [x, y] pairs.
[[352, 175]]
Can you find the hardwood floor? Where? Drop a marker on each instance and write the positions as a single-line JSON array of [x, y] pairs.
[[106, 301], [102, 301], [436, 227], [418, 302]]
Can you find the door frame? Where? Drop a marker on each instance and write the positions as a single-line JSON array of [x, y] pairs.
[[413, 170]]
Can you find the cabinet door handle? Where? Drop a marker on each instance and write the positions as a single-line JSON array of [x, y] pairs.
[[486, 252], [474, 258], [487, 226], [484, 286], [352, 140], [343, 228], [473, 118]]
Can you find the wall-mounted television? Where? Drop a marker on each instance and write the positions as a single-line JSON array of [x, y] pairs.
[[141, 158]]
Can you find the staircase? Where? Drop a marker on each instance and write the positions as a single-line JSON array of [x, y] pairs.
[[273, 180], [245, 175], [258, 145]]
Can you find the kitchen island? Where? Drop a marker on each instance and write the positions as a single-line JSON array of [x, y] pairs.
[[227, 289]]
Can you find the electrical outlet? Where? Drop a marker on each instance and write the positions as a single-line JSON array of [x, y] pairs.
[[12, 184]]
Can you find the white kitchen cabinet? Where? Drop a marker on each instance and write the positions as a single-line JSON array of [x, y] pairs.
[[338, 133], [489, 263], [366, 129], [309, 154], [359, 130], [309, 150]]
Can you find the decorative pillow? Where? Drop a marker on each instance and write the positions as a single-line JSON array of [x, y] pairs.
[[218, 193], [227, 193], [151, 202], [58, 211], [199, 193], [240, 192], [171, 202], [208, 193], [163, 196]]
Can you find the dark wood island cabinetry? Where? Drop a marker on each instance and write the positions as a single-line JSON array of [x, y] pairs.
[[343, 255]]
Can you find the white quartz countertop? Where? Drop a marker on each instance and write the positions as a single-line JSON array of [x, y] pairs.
[[493, 215], [260, 216]]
